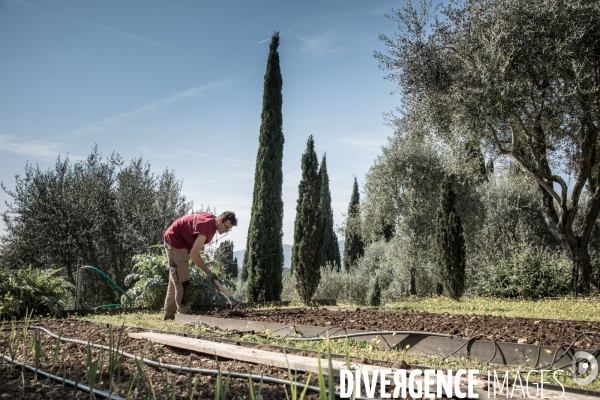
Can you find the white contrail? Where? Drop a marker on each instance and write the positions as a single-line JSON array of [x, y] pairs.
[[104, 124], [281, 34], [140, 38], [91, 24]]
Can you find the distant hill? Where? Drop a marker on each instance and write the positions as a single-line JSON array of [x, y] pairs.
[[287, 255]]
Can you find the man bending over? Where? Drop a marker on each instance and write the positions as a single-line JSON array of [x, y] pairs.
[[184, 239]]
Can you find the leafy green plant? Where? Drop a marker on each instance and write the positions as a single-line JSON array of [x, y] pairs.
[[151, 277], [527, 272], [204, 293], [42, 291]]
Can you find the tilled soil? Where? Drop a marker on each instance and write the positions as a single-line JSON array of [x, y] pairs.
[[15, 384], [500, 329]]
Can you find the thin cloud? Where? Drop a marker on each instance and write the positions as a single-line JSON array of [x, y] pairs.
[[39, 149], [181, 96], [141, 38], [362, 143], [327, 44], [319, 43]]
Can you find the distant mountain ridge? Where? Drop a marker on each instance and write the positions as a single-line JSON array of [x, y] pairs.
[[287, 255]]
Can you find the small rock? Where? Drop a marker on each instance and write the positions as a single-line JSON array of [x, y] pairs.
[[400, 364], [522, 341], [328, 323], [303, 353]]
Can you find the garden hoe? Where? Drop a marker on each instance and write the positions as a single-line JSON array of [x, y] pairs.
[[231, 299]]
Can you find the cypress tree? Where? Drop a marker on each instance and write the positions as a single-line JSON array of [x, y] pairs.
[[353, 245], [331, 248], [307, 253], [263, 259], [375, 298], [224, 255], [450, 243]]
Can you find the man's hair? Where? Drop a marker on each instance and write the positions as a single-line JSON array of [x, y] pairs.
[[228, 216]]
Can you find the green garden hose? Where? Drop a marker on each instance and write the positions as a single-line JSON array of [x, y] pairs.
[[114, 284]]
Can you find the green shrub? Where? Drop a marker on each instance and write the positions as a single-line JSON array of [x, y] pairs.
[[26, 289], [149, 280], [526, 272], [151, 277]]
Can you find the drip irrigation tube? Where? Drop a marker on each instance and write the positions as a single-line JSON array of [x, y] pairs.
[[570, 346], [370, 333], [79, 386], [181, 368], [318, 337]]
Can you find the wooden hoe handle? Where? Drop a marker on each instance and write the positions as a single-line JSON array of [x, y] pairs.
[[225, 292]]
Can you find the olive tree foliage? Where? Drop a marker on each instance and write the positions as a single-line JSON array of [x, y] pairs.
[[521, 79], [401, 188], [385, 262], [511, 215], [98, 209]]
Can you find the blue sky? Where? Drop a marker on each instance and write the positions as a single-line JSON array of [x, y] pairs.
[[180, 83]]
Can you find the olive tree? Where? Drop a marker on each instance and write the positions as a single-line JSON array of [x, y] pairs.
[[521, 79], [97, 209], [402, 188]]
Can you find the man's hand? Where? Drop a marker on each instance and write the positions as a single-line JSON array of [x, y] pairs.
[[211, 277]]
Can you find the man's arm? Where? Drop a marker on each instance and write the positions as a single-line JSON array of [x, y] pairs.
[[195, 254]]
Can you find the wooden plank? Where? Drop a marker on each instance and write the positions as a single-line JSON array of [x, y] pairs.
[[308, 364], [256, 356]]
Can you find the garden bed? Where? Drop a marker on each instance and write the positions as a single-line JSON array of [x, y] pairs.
[[501, 329], [16, 384]]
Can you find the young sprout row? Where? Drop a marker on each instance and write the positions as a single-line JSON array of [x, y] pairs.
[[105, 368]]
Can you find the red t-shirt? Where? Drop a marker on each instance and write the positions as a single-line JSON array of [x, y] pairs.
[[183, 233]]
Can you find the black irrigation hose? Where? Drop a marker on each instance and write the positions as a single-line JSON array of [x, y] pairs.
[[593, 353], [68, 382], [555, 360], [370, 333], [471, 339], [180, 368], [377, 333]]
